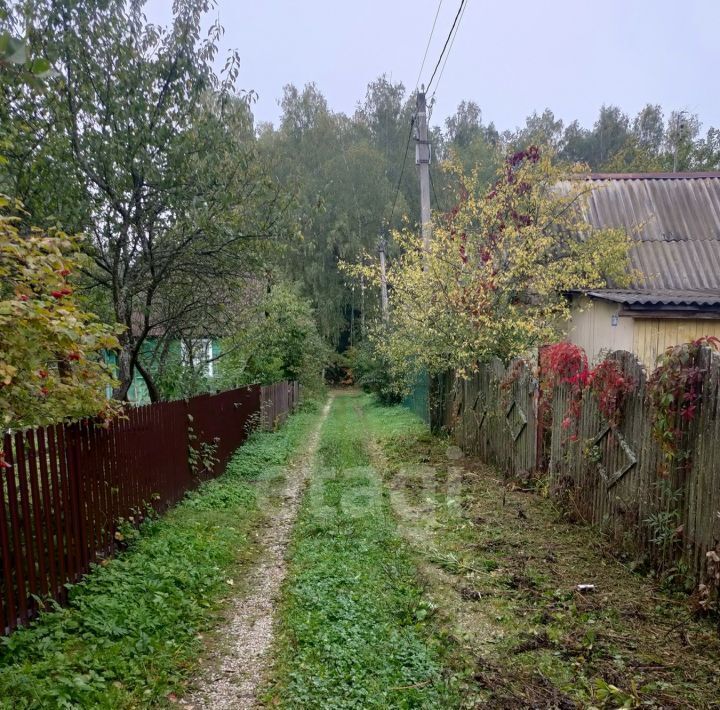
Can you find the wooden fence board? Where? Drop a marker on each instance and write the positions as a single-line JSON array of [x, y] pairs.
[[612, 474], [66, 486]]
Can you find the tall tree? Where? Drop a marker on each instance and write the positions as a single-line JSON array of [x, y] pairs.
[[707, 151], [578, 144], [172, 189], [493, 281], [465, 125], [682, 130], [540, 130], [648, 129], [343, 171], [611, 132]]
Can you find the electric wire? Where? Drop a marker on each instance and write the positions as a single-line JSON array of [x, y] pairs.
[[412, 120], [445, 46], [447, 56], [449, 41], [432, 185], [402, 169], [427, 47]]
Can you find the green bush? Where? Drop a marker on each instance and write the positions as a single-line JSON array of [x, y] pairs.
[[177, 380], [372, 372], [281, 343]]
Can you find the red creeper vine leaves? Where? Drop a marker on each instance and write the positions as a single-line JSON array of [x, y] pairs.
[[567, 364], [674, 390]]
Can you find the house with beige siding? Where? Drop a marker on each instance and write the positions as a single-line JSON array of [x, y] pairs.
[[673, 220]]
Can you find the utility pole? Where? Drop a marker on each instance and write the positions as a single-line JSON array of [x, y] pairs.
[[362, 304], [352, 314], [679, 126], [383, 278], [422, 160]]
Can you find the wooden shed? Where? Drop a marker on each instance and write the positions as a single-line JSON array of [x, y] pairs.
[[674, 223]]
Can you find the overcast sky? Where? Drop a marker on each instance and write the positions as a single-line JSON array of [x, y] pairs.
[[511, 56]]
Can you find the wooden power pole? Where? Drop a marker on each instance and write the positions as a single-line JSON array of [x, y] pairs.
[[422, 160], [383, 278]]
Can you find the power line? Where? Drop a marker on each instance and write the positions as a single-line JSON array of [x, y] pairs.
[[432, 185], [412, 120], [402, 170], [422, 66], [447, 40], [447, 56]]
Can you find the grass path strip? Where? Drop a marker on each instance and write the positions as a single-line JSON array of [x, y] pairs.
[[353, 631]]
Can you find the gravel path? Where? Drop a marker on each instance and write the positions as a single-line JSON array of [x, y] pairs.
[[233, 680]]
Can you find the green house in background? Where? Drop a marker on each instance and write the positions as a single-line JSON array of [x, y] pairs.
[[194, 358]]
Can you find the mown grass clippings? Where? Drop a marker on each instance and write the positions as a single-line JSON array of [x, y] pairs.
[[502, 567], [130, 635], [355, 629]]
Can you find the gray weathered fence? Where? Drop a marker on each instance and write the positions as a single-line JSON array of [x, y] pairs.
[[490, 416], [609, 476]]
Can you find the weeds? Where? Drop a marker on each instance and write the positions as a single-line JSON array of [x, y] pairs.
[[502, 571], [355, 628], [130, 634]]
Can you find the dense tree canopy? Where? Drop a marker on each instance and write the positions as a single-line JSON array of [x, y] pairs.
[[345, 171], [493, 281], [159, 168]]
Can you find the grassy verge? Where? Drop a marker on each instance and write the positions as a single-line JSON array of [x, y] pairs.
[[131, 633], [502, 568], [354, 630]]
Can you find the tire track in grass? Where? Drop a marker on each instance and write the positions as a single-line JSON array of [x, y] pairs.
[[353, 631], [232, 680], [132, 631]]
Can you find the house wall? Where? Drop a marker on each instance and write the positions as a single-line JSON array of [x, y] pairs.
[[652, 336], [138, 392], [591, 327]]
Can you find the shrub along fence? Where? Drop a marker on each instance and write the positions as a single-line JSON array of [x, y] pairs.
[[64, 488], [658, 502]]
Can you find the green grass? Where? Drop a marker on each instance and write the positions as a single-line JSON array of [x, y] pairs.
[[355, 630], [130, 634], [502, 567]]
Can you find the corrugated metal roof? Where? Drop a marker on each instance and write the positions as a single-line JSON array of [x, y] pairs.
[[658, 297], [673, 220], [652, 176]]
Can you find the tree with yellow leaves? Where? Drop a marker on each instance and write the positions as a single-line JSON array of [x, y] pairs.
[[494, 279]]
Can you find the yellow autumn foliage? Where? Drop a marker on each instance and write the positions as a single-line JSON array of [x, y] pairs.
[[495, 278]]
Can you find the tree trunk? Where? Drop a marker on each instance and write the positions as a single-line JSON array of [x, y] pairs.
[[124, 368], [153, 390]]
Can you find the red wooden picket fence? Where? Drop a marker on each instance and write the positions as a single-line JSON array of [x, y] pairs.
[[65, 487], [278, 400]]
